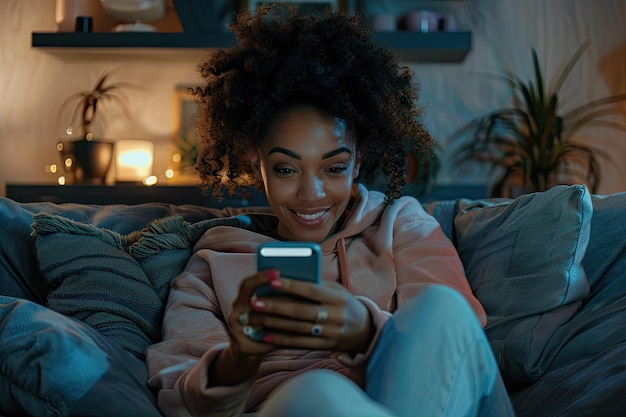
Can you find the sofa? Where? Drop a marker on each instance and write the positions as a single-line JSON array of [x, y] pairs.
[[82, 290]]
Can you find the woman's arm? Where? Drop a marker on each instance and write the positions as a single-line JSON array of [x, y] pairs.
[[189, 366], [424, 256]]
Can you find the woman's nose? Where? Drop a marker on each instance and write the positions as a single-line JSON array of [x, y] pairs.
[[311, 189]]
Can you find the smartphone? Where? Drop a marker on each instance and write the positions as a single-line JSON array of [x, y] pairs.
[[294, 260]]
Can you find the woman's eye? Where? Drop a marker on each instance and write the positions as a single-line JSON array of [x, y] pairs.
[[284, 170], [337, 169]]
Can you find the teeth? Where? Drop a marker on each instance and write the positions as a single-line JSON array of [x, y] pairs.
[[311, 216]]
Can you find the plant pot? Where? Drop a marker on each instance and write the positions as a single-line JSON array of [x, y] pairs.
[[86, 162]]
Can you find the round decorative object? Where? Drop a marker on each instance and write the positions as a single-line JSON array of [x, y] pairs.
[[132, 10], [316, 330], [136, 11]]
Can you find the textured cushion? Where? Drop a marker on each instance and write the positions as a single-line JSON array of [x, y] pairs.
[[600, 324], [19, 271], [116, 283], [605, 261], [53, 365], [445, 211], [523, 261], [589, 386]]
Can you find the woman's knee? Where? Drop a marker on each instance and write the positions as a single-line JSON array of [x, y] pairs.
[[437, 334], [434, 328], [323, 382], [433, 307]]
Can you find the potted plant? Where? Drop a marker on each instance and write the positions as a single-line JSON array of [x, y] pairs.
[[532, 142], [87, 158]]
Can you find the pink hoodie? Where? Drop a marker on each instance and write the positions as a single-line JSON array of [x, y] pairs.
[[384, 255]]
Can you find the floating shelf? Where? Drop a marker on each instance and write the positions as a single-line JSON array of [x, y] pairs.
[[437, 47], [122, 40], [182, 194], [443, 47]]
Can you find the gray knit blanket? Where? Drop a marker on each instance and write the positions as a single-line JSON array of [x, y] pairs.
[[117, 284]]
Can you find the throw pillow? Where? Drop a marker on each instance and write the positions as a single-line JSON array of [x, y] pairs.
[[54, 365], [111, 291], [523, 261], [117, 284]]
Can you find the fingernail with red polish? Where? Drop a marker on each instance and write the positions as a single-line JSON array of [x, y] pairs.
[[276, 283], [258, 304], [267, 338], [272, 274]]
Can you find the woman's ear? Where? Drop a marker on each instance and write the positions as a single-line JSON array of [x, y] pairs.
[[357, 167], [255, 163]]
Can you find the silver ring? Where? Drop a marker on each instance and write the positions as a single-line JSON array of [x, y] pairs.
[[316, 330], [244, 318], [322, 315]]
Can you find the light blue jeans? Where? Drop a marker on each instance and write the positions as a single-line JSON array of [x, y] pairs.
[[432, 359]]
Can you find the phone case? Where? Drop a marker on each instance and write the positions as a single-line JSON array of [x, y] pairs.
[[295, 260]]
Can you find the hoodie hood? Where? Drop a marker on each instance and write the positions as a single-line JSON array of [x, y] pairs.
[[366, 209]]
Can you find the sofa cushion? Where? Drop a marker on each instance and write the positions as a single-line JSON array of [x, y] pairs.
[[605, 260], [588, 386], [19, 271], [523, 261], [116, 283], [600, 323], [67, 369], [444, 211]]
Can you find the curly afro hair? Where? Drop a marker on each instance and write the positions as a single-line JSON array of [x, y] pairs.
[[328, 61]]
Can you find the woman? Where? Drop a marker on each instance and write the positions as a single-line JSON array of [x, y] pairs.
[[302, 107]]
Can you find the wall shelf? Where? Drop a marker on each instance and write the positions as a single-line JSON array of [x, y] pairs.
[[125, 194], [181, 194], [441, 47]]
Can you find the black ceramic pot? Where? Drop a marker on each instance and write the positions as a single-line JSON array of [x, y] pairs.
[[86, 162]]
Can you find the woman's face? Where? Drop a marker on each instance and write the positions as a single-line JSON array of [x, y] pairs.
[[308, 165]]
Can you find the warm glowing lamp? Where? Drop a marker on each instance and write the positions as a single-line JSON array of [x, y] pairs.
[[134, 160]]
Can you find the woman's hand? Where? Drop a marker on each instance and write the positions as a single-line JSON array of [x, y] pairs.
[[242, 357], [322, 316], [241, 320]]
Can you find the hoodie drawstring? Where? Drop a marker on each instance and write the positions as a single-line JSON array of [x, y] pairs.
[[344, 268]]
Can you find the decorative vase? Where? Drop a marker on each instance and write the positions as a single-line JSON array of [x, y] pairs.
[[86, 162]]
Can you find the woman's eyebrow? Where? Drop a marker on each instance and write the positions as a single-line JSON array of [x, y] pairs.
[[285, 151], [294, 155], [336, 152]]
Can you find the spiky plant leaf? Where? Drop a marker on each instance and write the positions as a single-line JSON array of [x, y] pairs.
[[86, 108], [532, 139]]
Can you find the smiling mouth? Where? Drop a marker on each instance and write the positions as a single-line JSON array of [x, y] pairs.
[[311, 216]]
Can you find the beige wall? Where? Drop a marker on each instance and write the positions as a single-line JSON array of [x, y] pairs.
[[503, 33], [34, 83]]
